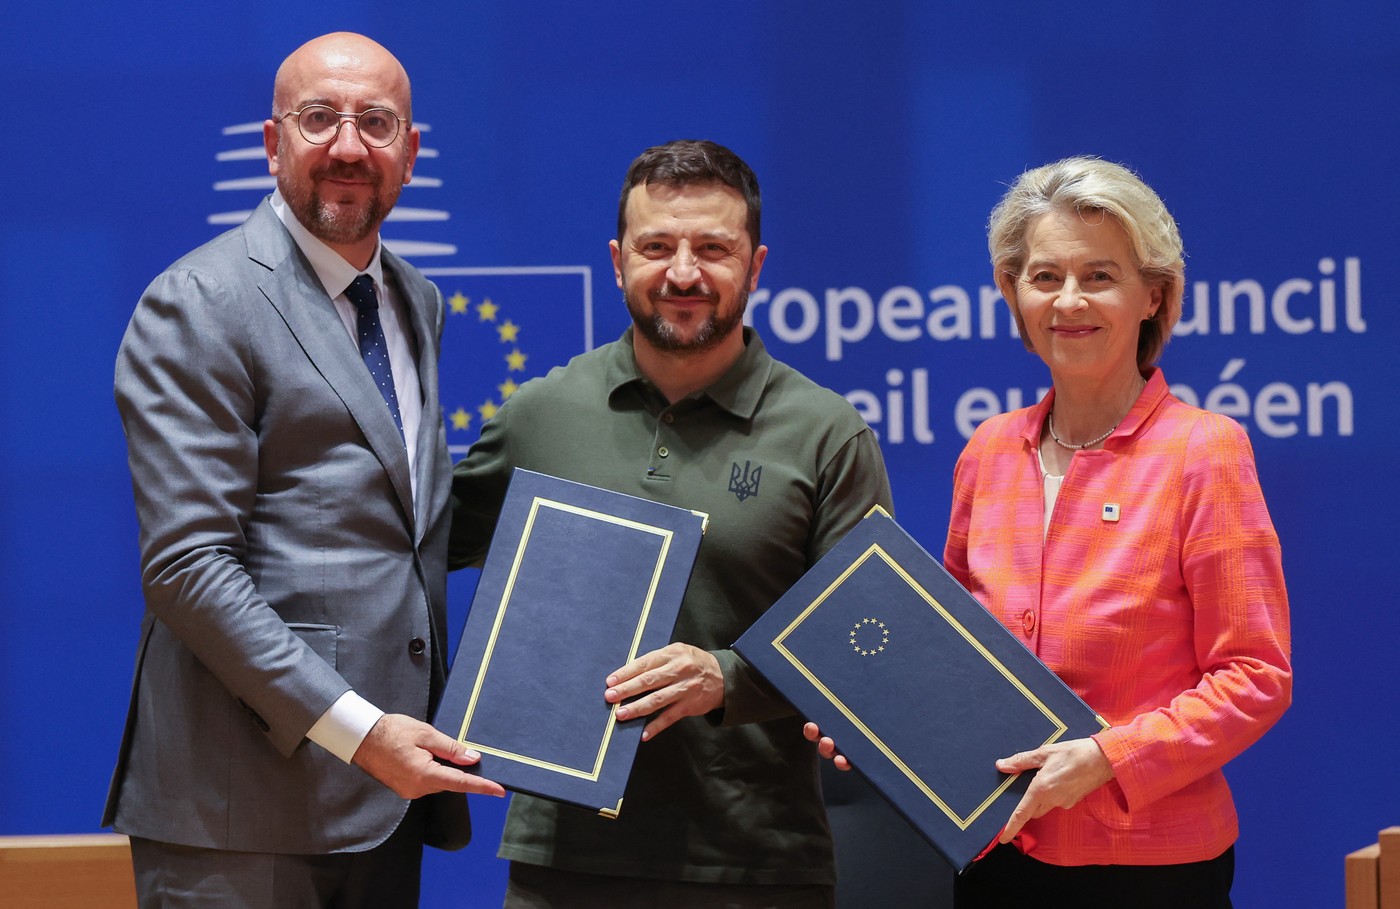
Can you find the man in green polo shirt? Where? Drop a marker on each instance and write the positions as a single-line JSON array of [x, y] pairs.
[[687, 408]]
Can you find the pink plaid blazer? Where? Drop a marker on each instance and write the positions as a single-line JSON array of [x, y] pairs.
[[1157, 595]]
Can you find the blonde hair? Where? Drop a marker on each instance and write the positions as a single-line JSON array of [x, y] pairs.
[[1084, 184]]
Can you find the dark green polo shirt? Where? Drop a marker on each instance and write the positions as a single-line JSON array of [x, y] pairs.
[[784, 468]]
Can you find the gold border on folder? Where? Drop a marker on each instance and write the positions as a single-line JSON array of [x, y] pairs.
[[876, 549], [588, 773]]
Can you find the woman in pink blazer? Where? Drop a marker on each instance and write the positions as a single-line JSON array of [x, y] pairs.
[[1122, 535]]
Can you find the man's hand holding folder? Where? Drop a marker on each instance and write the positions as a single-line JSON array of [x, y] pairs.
[[679, 680]]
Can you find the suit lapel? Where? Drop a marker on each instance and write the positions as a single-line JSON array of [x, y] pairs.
[[293, 289], [424, 316]]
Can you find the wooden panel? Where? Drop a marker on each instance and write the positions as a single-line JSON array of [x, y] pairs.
[[1390, 868], [79, 871], [1363, 878]]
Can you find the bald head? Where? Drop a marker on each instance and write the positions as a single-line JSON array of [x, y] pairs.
[[341, 56], [340, 186]]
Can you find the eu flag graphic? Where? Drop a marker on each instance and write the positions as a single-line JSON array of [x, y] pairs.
[[504, 326]]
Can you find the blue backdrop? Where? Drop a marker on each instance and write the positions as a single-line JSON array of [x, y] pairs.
[[882, 138]]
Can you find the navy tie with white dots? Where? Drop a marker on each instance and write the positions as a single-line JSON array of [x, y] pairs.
[[373, 347]]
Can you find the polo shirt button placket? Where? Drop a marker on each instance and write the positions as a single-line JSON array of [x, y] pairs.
[[660, 451]]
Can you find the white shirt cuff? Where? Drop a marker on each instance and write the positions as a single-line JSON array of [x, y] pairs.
[[342, 728]]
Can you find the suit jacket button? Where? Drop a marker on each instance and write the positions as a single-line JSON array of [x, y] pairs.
[[1028, 622], [416, 646]]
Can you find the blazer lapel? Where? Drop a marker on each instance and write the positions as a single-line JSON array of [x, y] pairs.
[[294, 291]]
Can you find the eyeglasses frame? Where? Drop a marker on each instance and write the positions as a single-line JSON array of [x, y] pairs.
[[342, 116]]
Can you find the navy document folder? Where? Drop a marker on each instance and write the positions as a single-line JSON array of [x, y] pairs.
[[578, 582], [920, 687]]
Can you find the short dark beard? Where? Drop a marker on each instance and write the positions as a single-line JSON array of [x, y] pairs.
[[662, 335]]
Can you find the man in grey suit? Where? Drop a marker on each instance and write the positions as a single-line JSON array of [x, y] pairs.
[[278, 389]]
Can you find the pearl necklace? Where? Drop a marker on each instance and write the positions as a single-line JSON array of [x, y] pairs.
[[1063, 444]]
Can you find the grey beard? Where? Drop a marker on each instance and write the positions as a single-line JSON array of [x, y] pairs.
[[329, 227]]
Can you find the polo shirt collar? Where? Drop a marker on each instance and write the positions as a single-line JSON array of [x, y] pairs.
[[738, 391]]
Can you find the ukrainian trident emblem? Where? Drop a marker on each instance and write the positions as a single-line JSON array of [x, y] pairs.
[[743, 481]]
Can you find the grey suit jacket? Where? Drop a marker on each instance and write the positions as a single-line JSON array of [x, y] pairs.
[[283, 558]]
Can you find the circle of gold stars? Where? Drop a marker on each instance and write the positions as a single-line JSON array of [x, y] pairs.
[[509, 333], [880, 628]]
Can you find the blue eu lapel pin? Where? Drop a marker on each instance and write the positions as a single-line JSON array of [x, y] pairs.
[[1111, 512]]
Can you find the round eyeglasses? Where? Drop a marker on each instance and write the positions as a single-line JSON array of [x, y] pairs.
[[320, 124]]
